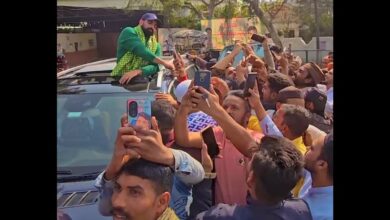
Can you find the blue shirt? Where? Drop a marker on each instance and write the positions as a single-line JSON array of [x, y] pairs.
[[307, 181], [181, 198], [320, 201]]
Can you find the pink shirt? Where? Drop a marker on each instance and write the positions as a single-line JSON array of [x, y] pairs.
[[230, 187]]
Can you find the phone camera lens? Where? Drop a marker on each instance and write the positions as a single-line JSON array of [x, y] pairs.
[[133, 109]]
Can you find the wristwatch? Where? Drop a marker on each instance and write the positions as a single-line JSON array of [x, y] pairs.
[[210, 175]]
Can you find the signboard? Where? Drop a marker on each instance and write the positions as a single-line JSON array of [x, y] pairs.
[[226, 32]]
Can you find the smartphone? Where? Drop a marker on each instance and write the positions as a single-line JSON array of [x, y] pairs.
[[139, 112], [203, 78], [250, 83], [258, 38], [209, 140], [275, 49]]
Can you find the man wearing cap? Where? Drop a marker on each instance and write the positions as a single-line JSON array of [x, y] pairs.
[[308, 75], [315, 102], [138, 50], [196, 121]]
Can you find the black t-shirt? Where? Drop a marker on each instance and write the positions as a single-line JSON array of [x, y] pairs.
[[289, 209]]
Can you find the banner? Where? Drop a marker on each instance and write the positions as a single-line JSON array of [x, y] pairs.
[[226, 32]]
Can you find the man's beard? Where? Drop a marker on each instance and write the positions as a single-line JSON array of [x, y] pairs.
[[147, 31], [299, 83], [121, 212]]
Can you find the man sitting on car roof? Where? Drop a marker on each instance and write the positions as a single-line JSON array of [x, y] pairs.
[[138, 50]]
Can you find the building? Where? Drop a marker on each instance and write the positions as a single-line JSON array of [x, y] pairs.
[[87, 30]]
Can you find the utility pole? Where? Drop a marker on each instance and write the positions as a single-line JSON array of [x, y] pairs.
[[317, 31]]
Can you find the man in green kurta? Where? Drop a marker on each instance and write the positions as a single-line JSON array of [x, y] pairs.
[[138, 50]]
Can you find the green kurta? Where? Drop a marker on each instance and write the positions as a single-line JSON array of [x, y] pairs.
[[132, 47]]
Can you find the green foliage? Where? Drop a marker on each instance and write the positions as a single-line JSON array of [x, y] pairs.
[[191, 22], [170, 7], [272, 7], [230, 10], [305, 11]]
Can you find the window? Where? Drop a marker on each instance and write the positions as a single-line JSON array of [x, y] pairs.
[[87, 127]]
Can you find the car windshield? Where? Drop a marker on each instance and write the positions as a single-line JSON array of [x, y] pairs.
[[87, 126], [257, 48]]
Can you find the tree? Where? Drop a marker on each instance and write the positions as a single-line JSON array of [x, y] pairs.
[[272, 8], [227, 11], [305, 10], [169, 9], [172, 7], [210, 6], [195, 9]]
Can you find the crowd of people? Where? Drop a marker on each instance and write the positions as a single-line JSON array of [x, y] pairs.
[[275, 145]]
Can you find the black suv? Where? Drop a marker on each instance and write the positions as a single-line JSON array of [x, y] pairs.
[[90, 104]]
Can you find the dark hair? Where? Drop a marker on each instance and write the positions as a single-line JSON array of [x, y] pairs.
[[164, 113], [296, 118], [240, 94], [160, 175], [278, 81], [208, 29], [252, 28], [315, 74], [318, 98], [277, 167], [327, 152]]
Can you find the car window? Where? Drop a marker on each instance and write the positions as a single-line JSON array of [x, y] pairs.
[[87, 126]]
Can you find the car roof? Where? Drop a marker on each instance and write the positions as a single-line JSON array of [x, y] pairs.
[[96, 77], [106, 65], [99, 66]]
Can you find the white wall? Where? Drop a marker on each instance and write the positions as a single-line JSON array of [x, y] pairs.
[[297, 43], [86, 41]]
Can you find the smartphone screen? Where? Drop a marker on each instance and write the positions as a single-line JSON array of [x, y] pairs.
[[203, 78], [209, 140], [250, 83], [139, 112], [257, 38]]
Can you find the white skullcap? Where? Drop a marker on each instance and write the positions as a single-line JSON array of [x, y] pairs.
[[181, 89]]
